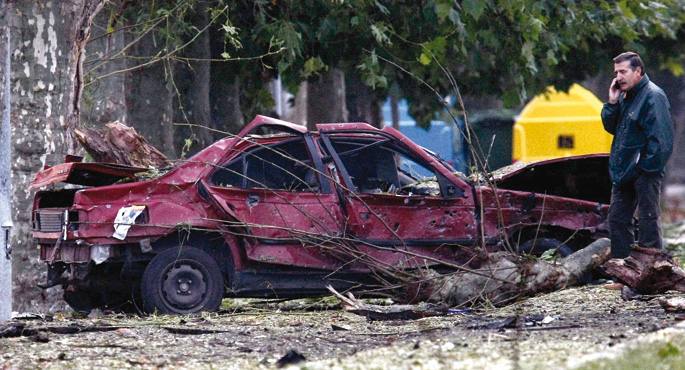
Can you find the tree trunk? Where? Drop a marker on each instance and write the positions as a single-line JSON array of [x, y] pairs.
[[150, 98], [198, 107], [225, 98], [297, 112], [395, 111], [47, 82], [362, 104], [224, 93], [104, 100], [326, 99]]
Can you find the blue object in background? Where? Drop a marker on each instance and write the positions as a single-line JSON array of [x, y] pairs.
[[441, 138]]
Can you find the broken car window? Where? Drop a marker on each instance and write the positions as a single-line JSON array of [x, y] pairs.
[[380, 167], [284, 166]]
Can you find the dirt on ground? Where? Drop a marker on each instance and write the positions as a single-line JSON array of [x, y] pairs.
[[589, 327], [554, 330]]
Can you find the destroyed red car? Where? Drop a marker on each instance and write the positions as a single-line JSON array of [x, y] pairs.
[[287, 212]]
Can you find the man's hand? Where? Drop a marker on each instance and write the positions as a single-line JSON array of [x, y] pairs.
[[614, 92]]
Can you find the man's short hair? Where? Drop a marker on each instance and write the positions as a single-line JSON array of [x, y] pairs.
[[633, 58]]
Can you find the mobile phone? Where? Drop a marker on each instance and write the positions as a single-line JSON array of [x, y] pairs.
[[616, 86]]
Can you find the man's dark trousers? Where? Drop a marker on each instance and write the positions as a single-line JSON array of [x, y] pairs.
[[643, 194]]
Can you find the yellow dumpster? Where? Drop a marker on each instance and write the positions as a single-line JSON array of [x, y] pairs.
[[559, 124]]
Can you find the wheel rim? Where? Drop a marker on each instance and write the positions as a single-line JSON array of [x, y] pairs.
[[184, 285]]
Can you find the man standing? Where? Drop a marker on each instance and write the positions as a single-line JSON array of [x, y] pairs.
[[639, 116]]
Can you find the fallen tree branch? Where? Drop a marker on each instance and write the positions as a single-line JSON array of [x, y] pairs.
[[120, 144], [647, 271], [525, 277], [395, 312]]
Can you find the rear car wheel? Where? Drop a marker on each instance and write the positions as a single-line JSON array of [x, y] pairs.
[[182, 280]]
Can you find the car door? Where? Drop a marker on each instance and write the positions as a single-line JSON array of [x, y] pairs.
[[280, 201], [398, 205]]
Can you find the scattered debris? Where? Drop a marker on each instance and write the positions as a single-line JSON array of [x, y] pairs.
[[506, 323], [395, 312], [21, 329], [339, 328], [290, 358], [40, 337], [192, 331], [13, 329], [674, 304], [125, 332], [513, 322]]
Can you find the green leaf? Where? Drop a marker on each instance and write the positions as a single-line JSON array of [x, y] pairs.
[[625, 9], [379, 32], [434, 49], [442, 10], [455, 18], [313, 66], [527, 53], [551, 58], [382, 8], [474, 8], [675, 66], [424, 59], [371, 72]]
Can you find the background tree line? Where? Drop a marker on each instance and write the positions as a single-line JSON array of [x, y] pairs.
[[171, 67]]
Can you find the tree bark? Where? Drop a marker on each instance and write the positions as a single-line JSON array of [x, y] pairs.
[[150, 98], [395, 112], [104, 100], [47, 83], [505, 277], [224, 93], [326, 99], [198, 108], [297, 112], [362, 104]]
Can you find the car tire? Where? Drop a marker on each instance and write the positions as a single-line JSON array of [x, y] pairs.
[[182, 280], [539, 246]]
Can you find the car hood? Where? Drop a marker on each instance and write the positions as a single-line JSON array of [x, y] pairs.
[[88, 174], [583, 177]]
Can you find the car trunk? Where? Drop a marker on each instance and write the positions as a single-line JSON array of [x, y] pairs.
[[582, 177]]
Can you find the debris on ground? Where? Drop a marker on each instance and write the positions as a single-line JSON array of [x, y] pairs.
[[13, 329], [673, 304], [395, 312], [290, 358], [586, 320]]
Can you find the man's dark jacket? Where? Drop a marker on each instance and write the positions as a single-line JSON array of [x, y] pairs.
[[643, 132]]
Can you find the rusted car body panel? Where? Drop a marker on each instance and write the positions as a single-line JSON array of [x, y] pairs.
[[279, 209]]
